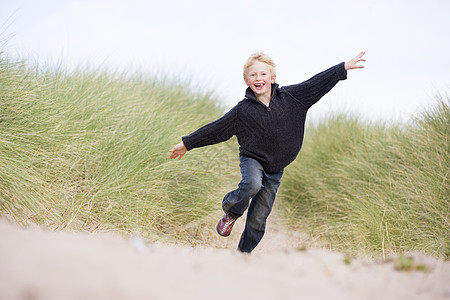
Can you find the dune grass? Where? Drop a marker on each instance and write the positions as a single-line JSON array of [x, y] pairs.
[[89, 151], [374, 189]]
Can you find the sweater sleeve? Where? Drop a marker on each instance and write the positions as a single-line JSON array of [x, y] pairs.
[[212, 133], [311, 90]]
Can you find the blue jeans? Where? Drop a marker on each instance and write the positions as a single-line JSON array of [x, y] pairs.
[[259, 186]]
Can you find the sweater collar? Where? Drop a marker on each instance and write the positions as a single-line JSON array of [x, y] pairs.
[[249, 94]]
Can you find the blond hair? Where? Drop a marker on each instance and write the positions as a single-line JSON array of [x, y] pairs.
[[262, 57]]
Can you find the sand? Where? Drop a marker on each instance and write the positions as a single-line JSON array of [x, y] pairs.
[[39, 264]]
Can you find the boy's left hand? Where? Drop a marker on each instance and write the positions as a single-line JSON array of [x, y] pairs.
[[352, 63]]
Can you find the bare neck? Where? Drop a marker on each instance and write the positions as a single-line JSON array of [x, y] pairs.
[[264, 98]]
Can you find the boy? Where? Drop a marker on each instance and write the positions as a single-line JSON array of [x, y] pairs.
[[269, 125]]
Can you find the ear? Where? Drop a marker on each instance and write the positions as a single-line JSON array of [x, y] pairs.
[[273, 78]]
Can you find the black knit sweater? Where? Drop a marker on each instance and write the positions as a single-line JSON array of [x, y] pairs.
[[272, 135]]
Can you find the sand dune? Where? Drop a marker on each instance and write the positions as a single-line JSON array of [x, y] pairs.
[[38, 264]]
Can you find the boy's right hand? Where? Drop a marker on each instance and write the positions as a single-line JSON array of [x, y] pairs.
[[178, 151]]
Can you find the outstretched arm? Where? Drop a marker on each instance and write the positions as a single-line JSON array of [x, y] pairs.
[[352, 63], [178, 151]]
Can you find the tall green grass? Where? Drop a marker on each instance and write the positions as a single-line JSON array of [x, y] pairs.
[[374, 189], [88, 150]]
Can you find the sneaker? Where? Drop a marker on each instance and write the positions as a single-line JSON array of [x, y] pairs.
[[225, 225]]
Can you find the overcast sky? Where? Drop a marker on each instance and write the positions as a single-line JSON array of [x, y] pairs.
[[407, 44]]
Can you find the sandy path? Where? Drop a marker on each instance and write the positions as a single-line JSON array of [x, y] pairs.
[[37, 264], [277, 238]]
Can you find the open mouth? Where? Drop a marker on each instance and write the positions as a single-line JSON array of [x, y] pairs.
[[259, 85]]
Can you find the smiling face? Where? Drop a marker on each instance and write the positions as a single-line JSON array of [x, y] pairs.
[[259, 78]]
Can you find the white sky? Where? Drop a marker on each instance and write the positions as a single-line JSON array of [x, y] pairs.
[[407, 44]]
